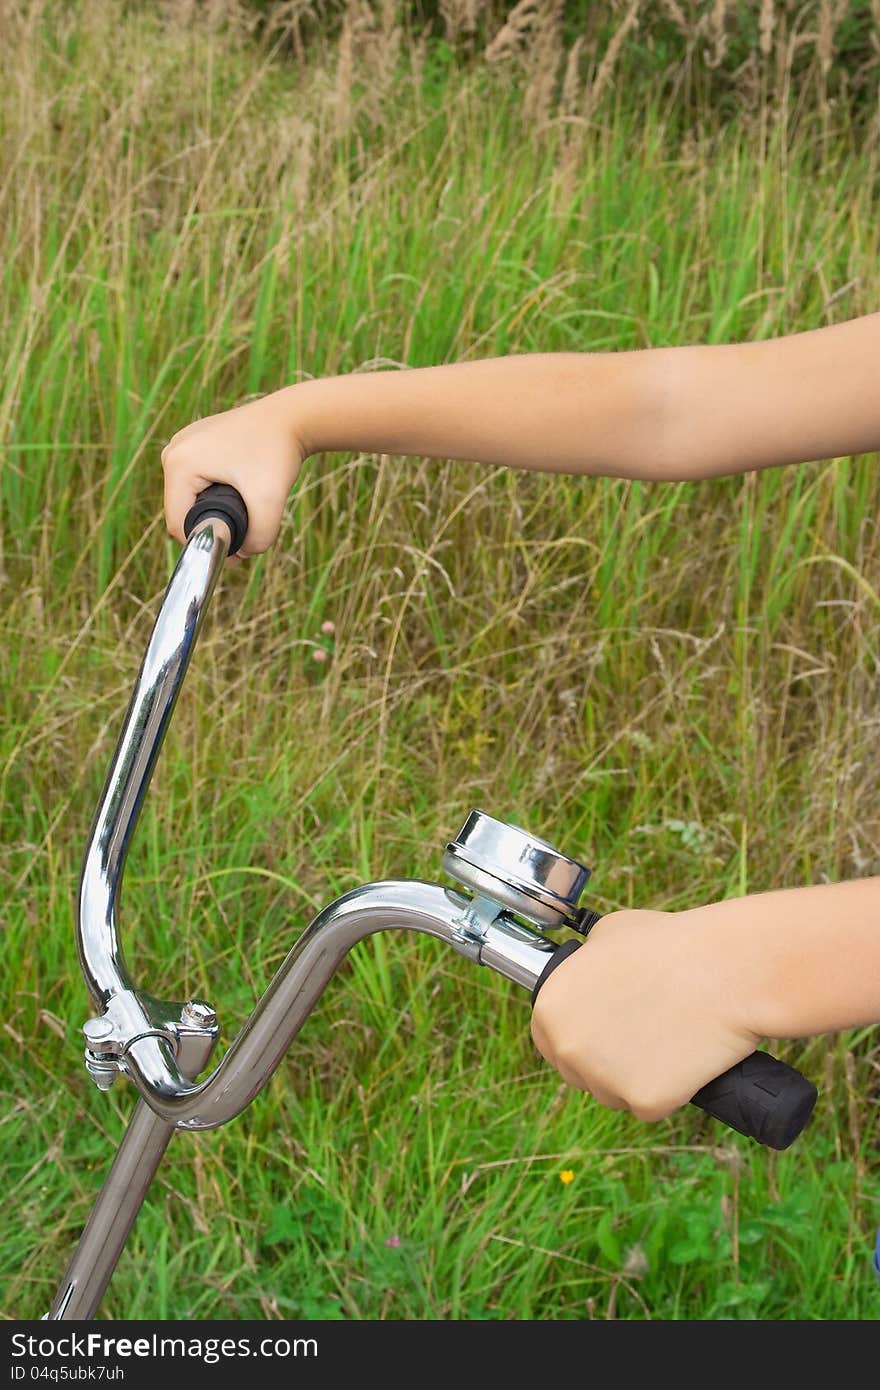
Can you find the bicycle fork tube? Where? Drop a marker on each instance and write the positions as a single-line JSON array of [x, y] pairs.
[[121, 1198], [112, 1216]]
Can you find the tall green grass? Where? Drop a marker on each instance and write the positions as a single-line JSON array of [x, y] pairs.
[[676, 683]]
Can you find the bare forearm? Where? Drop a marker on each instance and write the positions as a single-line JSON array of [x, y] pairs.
[[810, 956], [565, 412], [671, 413], [664, 414]]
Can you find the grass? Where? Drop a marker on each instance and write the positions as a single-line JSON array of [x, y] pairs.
[[676, 684]]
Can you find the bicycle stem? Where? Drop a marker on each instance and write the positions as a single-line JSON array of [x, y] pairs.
[[154, 1042]]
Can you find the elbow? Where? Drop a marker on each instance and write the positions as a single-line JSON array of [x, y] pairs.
[[671, 454]]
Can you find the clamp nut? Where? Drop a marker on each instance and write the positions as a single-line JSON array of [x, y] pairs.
[[198, 1014]]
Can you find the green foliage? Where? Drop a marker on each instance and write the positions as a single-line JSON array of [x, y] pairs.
[[676, 684]]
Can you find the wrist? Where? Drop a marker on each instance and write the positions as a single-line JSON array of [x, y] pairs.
[[283, 409], [745, 953], [804, 960], [722, 962], [308, 408]]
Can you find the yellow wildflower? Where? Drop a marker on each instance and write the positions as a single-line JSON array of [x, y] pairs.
[[566, 1176]]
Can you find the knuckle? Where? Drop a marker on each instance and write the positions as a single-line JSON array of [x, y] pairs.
[[171, 450], [567, 1054], [647, 1115], [646, 1103]]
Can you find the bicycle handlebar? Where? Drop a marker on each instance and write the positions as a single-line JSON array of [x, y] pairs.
[[146, 721], [225, 502], [143, 1028]]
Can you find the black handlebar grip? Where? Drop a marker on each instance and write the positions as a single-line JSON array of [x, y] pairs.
[[760, 1097], [225, 501]]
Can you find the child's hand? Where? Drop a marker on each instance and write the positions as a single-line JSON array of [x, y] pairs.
[[652, 1006], [255, 447]]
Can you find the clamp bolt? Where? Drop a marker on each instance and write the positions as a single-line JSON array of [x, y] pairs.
[[198, 1015], [96, 1029]]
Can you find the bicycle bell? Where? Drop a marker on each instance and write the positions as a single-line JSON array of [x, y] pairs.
[[520, 871]]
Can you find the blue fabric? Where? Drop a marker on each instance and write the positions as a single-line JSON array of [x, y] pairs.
[[877, 1256]]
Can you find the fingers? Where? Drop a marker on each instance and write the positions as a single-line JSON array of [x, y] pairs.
[[180, 494], [608, 1099], [599, 1093], [569, 1071]]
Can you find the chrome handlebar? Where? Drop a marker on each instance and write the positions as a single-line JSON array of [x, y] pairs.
[[146, 720], [158, 1044]]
